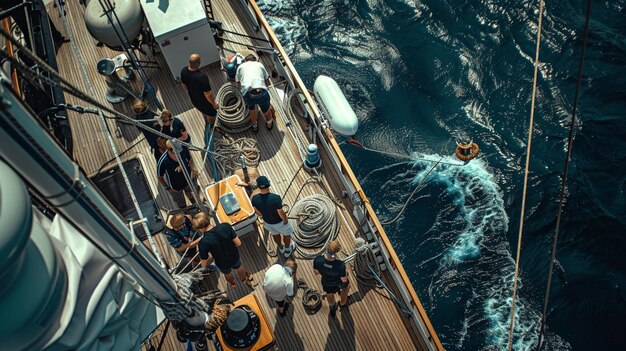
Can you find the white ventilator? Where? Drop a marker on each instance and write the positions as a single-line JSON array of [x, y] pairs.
[[335, 106]]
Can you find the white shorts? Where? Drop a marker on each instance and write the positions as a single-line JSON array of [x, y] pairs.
[[279, 228]]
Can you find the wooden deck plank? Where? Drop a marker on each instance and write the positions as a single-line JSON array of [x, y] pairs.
[[372, 320]]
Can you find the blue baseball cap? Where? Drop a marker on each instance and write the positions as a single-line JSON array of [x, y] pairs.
[[262, 182]]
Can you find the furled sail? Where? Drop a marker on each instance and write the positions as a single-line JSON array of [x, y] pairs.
[[62, 293]]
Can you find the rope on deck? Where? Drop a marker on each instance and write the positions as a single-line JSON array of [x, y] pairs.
[[212, 303], [364, 259], [231, 151], [233, 115], [316, 223]]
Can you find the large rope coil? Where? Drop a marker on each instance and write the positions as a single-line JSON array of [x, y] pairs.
[[316, 223], [364, 259], [229, 152], [211, 302], [233, 115]]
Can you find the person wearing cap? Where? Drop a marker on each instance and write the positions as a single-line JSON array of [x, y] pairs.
[[172, 177], [334, 276], [252, 78], [269, 207], [278, 283], [222, 242], [183, 238], [198, 87]]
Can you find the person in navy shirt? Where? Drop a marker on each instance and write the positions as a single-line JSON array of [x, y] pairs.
[[181, 235], [148, 119], [334, 276], [198, 87], [171, 176], [183, 238], [222, 243], [269, 206], [173, 127]]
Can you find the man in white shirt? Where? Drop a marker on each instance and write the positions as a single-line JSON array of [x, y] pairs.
[[252, 79], [278, 283]]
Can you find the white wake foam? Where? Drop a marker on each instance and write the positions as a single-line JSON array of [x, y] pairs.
[[479, 258], [476, 196]]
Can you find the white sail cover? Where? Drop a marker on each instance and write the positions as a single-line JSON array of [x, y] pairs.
[[102, 309]]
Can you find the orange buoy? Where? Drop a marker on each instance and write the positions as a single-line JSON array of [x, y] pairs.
[[467, 152]]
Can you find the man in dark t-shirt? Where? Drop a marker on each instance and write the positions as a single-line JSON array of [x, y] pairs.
[[334, 276], [222, 243], [198, 87], [173, 127], [148, 119], [269, 206], [171, 176]]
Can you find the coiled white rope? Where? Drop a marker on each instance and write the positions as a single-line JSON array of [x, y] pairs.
[[233, 115], [316, 223]]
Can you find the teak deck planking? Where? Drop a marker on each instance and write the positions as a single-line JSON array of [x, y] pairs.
[[371, 322]]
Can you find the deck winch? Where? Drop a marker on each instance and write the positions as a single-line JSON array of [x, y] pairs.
[[117, 88], [335, 106], [312, 160], [246, 327]]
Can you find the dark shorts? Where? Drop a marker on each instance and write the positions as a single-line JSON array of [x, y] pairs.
[[281, 304], [179, 198], [230, 269], [207, 110], [334, 288], [262, 99]]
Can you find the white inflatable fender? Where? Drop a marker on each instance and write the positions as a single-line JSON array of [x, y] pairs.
[[335, 106]]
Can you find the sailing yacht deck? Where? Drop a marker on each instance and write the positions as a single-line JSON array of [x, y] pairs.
[[372, 321]]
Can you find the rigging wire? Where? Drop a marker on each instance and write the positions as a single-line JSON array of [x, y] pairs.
[[418, 186], [528, 148], [109, 137], [394, 154], [289, 116], [570, 139], [67, 87]]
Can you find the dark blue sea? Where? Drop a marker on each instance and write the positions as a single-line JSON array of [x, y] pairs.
[[422, 75]]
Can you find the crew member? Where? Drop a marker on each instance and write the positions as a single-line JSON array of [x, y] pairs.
[[334, 276], [252, 78]]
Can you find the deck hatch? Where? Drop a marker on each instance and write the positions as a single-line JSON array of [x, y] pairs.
[[111, 185]]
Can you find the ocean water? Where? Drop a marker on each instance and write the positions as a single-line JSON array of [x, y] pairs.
[[423, 74]]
